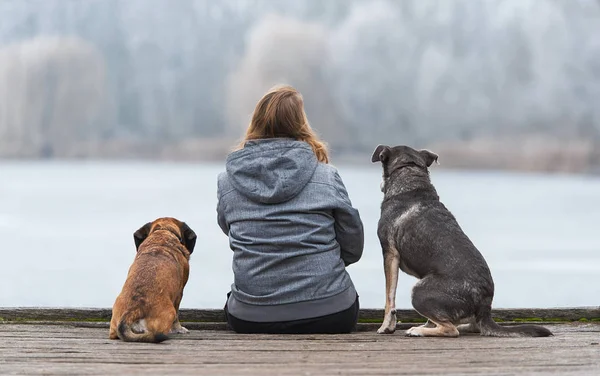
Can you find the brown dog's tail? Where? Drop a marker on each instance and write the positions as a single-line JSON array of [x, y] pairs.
[[134, 330], [490, 328]]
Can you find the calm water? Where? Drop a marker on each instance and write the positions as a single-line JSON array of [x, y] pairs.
[[66, 231]]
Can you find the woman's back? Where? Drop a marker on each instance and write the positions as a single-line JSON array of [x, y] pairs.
[[282, 211]]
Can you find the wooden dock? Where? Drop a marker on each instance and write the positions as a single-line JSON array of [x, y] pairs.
[[66, 344]]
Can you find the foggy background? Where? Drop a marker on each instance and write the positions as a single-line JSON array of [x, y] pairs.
[[116, 112], [491, 84]]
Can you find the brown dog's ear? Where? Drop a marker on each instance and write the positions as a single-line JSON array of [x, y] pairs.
[[189, 237], [429, 157], [381, 154], [141, 234]]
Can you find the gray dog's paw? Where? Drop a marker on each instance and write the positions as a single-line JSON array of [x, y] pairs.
[[180, 330], [389, 323], [415, 331], [386, 329]]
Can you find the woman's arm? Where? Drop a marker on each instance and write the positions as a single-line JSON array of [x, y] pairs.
[[348, 225], [220, 210], [221, 219]]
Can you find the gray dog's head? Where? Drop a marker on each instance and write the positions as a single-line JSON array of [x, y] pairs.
[[398, 157]]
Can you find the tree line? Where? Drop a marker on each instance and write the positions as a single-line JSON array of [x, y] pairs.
[[75, 75]]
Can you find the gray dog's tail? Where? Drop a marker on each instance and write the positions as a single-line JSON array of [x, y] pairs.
[[490, 328]]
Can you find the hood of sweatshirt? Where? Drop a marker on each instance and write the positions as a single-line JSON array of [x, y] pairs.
[[271, 171]]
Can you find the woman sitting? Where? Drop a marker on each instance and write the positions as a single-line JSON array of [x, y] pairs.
[[291, 226]]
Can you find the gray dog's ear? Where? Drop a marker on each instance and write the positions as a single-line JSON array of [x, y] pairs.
[[189, 237], [429, 157], [381, 154], [141, 234]]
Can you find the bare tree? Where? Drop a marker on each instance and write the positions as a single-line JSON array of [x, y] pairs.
[[53, 96], [284, 51]]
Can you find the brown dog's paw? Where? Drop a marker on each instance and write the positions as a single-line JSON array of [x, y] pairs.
[[113, 334], [180, 330]]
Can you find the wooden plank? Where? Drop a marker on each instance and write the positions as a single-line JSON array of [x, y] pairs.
[[221, 326], [66, 350], [368, 315]]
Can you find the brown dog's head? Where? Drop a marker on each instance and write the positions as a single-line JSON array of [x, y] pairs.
[[181, 230], [398, 157]]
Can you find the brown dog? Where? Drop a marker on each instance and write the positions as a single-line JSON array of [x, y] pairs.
[[148, 306]]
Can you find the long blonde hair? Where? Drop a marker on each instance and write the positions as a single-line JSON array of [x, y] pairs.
[[280, 113]]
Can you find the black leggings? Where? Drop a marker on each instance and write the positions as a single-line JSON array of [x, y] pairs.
[[336, 323]]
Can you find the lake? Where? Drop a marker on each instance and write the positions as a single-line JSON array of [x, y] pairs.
[[66, 231]]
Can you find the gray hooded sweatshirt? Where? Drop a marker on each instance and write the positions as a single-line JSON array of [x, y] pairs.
[[292, 229]]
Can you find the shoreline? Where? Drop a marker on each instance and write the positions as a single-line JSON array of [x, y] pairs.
[[529, 154]]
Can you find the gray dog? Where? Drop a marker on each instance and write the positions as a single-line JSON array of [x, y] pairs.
[[422, 238]]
